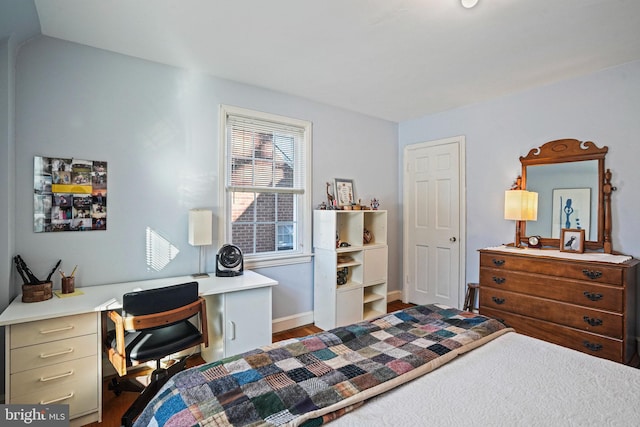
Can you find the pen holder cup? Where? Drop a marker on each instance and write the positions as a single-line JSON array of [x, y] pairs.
[[68, 285], [36, 293]]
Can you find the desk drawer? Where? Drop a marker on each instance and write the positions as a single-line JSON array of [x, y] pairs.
[[46, 354], [81, 396], [41, 331], [586, 319], [579, 292], [51, 378]]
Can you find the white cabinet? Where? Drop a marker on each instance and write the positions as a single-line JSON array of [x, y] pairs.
[[247, 320], [56, 361], [350, 276], [237, 322]]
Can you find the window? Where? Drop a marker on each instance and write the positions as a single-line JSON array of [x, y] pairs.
[[267, 181]]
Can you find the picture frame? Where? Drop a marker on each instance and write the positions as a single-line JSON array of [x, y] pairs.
[[572, 240], [344, 194]]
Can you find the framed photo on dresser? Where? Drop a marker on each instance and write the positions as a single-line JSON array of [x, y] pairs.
[[572, 240]]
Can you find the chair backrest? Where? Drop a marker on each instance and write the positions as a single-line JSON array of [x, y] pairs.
[[139, 303], [151, 309]]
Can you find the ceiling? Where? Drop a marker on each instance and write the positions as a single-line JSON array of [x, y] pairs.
[[391, 59]]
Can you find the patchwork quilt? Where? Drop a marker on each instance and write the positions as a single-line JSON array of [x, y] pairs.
[[311, 380]]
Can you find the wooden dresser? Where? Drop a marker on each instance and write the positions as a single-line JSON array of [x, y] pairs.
[[589, 306]]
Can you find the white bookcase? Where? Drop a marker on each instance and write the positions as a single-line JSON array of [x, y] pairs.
[[364, 295]]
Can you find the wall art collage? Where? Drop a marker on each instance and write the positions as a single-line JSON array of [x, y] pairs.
[[69, 194]]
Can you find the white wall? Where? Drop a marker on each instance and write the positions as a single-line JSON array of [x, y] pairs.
[[157, 127], [601, 107]]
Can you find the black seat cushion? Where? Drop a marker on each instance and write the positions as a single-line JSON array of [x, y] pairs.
[[152, 344]]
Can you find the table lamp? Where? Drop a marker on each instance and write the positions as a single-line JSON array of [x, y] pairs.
[[200, 234], [520, 205]]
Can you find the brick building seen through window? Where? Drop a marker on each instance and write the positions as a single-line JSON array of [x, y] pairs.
[[262, 221]]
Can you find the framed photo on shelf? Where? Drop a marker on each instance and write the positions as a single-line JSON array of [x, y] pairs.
[[344, 192], [572, 240]]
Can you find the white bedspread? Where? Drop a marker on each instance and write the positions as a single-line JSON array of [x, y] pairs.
[[514, 380]]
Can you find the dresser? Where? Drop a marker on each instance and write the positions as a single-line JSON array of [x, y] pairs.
[[579, 301]]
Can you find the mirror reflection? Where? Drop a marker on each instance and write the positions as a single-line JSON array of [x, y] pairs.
[[567, 198]]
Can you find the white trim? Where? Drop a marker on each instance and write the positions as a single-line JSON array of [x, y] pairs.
[[462, 240], [293, 321], [394, 296], [304, 241], [254, 263]]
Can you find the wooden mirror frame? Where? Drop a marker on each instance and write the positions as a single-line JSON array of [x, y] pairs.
[[573, 150]]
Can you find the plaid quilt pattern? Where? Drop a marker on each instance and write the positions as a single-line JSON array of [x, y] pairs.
[[278, 384]]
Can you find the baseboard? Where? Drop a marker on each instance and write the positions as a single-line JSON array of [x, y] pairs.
[[394, 296], [289, 322], [302, 319]]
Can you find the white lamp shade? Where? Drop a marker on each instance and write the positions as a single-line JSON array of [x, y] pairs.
[[200, 227], [520, 205]]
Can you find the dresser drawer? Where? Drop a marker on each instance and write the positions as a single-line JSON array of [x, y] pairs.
[[596, 321], [51, 378], [41, 331], [81, 395], [596, 345], [50, 353], [590, 271], [573, 291]]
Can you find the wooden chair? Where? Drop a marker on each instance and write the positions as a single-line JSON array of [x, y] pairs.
[[153, 324], [470, 298]]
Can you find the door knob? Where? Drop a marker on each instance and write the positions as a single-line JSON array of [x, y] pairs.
[[452, 239]]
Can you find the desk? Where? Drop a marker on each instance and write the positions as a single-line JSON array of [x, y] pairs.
[[54, 348]]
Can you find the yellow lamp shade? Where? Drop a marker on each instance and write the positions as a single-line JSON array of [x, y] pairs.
[[520, 205]]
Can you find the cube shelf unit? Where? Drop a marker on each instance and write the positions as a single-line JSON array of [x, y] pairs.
[[364, 295]]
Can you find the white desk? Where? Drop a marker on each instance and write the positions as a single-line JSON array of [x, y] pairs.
[[64, 337]]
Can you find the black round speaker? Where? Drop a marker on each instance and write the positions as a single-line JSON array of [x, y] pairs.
[[229, 261]]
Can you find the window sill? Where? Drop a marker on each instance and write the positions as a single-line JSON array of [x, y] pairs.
[[275, 261]]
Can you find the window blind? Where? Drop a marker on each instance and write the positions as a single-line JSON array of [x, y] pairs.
[[264, 156]]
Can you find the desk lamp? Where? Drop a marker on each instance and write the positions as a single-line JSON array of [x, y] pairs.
[[200, 227], [520, 205]]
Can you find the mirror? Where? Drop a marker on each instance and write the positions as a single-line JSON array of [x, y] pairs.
[[573, 192]]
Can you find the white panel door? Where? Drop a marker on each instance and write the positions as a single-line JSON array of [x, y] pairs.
[[432, 222]]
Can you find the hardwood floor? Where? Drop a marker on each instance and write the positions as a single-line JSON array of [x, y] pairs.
[[114, 406]]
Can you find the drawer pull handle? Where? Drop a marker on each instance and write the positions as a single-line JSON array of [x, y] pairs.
[[48, 402], [592, 274], [592, 346], [55, 377], [592, 296], [51, 331], [60, 353], [498, 262], [592, 321], [498, 300], [498, 280]]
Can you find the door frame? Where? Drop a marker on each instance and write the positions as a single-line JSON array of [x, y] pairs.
[[462, 238]]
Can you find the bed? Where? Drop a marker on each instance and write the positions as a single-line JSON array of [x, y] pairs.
[[423, 365]]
